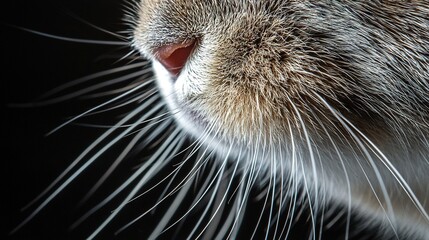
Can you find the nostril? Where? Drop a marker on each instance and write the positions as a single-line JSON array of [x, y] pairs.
[[174, 56]]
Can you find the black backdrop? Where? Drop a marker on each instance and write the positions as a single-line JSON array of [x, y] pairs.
[[31, 66]]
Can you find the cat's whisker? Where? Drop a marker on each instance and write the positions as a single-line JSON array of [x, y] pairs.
[[227, 226], [76, 173], [171, 210], [318, 123], [395, 173], [380, 155], [198, 164], [257, 175], [255, 168], [171, 145], [74, 40], [120, 104], [76, 82], [147, 95], [184, 182], [277, 160], [47, 99], [120, 158], [159, 154], [123, 186], [172, 176], [313, 205], [389, 212], [132, 55], [190, 176], [141, 74], [200, 194], [160, 118], [242, 198], [221, 202], [270, 175], [346, 173], [169, 213], [153, 121], [95, 143], [293, 180], [123, 38], [120, 90], [273, 173], [266, 194], [199, 142], [196, 202], [104, 104], [281, 194], [157, 129]]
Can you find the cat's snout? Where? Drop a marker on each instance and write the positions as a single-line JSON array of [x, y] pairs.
[[174, 56]]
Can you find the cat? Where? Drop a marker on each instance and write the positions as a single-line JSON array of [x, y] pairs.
[[316, 110]]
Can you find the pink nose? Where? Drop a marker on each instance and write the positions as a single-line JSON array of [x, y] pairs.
[[174, 56]]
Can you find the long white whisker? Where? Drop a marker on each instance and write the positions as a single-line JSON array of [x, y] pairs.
[[118, 160], [190, 209], [399, 178], [224, 196], [294, 180], [93, 76], [170, 212], [101, 105], [75, 40], [198, 164], [313, 205], [281, 193], [125, 103], [228, 222], [349, 194], [103, 84], [159, 154], [97, 27], [73, 164], [242, 199], [273, 170], [173, 141], [191, 173], [382, 185]]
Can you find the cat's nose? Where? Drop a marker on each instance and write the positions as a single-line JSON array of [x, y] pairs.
[[174, 56]]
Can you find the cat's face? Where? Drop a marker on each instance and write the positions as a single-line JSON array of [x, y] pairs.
[[263, 72]]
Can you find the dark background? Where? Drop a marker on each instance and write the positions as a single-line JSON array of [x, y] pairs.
[[31, 65]]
